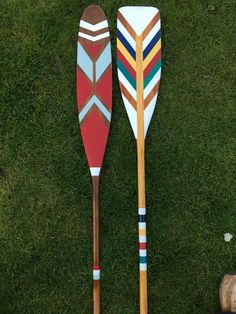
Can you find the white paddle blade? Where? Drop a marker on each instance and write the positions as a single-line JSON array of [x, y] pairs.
[[135, 26]]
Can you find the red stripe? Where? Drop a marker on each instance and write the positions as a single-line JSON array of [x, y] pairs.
[[142, 246], [152, 63], [126, 64], [96, 267]]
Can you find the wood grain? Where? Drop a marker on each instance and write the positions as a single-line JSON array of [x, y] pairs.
[[141, 160]]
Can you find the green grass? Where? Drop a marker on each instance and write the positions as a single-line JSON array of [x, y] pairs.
[[45, 213]]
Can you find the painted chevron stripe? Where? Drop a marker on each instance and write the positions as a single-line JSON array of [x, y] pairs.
[[103, 61], [94, 101], [94, 38], [84, 61], [129, 97], [93, 27], [152, 43], [132, 114]]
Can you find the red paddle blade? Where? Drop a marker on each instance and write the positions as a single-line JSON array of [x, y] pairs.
[[94, 84]]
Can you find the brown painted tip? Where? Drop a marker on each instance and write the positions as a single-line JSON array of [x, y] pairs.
[[93, 14]]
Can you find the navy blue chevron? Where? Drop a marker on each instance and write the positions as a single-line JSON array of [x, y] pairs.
[[126, 44], [151, 44]]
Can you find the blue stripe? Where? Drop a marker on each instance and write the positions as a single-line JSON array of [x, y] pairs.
[[126, 44], [142, 218], [151, 44], [143, 259]]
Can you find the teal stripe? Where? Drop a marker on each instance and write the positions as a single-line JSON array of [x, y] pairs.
[[152, 73], [126, 73], [142, 259]]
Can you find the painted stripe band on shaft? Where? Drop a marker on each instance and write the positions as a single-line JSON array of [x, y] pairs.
[[142, 252], [142, 211], [143, 267], [142, 239], [142, 218], [96, 272], [95, 171], [142, 225]]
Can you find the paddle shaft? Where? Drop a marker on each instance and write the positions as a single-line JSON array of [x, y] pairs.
[[96, 246], [141, 164]]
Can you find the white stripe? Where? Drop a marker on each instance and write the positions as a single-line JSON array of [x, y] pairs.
[[142, 239], [126, 34], [152, 33], [143, 266], [153, 82], [132, 114], [142, 225], [96, 274], [127, 85], [142, 211], [93, 38], [148, 112], [95, 27], [142, 252], [95, 171]]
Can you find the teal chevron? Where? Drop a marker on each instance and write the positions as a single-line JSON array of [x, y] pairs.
[[126, 73], [103, 61], [84, 62], [94, 101], [152, 73]]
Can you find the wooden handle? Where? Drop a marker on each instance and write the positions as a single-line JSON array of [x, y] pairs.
[[96, 297], [96, 247], [141, 179]]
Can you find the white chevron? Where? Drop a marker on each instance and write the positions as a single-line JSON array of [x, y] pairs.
[[153, 82], [152, 33], [93, 27], [84, 61], [93, 38], [148, 112], [132, 114], [127, 84], [103, 61]]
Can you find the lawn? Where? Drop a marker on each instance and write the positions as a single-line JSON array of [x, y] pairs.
[[45, 205]]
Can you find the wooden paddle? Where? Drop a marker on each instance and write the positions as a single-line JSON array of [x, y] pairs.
[[94, 99], [139, 70]]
